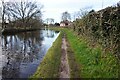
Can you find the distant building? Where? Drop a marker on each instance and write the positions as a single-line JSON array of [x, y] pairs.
[[65, 23], [62, 24]]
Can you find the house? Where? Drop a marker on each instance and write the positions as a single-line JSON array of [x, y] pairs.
[[65, 23], [62, 24]]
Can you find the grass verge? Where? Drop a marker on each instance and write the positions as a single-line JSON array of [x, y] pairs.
[[74, 67], [49, 67], [90, 60], [84, 61]]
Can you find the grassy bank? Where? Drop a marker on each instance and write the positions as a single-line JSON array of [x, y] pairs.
[[84, 61], [90, 60], [74, 66], [49, 67]]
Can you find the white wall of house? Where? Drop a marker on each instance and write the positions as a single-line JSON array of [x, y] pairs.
[[62, 24]]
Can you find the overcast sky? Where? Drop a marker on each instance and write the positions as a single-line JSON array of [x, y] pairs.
[[54, 8]]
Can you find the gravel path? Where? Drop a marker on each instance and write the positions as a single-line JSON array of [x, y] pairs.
[[64, 67]]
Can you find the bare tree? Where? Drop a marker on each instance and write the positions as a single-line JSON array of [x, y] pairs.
[[118, 4], [82, 12], [50, 21], [23, 11], [66, 16], [0, 19], [3, 13], [0, 15]]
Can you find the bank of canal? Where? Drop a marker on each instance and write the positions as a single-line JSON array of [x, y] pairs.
[[23, 52], [84, 60], [49, 67]]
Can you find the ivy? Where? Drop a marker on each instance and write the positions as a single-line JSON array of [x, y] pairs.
[[102, 26]]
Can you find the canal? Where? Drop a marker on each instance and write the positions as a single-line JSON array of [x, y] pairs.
[[23, 52]]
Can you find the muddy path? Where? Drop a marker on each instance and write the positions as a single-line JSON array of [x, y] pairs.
[[64, 67]]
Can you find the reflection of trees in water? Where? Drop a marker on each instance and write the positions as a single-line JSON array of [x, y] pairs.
[[49, 33], [21, 49], [56, 31], [11, 69]]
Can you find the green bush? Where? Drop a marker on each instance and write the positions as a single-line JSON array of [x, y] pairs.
[[102, 27]]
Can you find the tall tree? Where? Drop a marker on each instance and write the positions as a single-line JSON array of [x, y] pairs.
[[82, 12], [0, 20], [50, 21], [66, 16], [3, 13], [23, 11]]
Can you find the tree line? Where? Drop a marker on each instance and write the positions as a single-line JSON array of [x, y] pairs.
[[21, 15], [102, 27]]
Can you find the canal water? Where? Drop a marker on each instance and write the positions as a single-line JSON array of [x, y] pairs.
[[23, 52]]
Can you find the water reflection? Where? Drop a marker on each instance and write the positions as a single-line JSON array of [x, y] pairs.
[[23, 52]]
